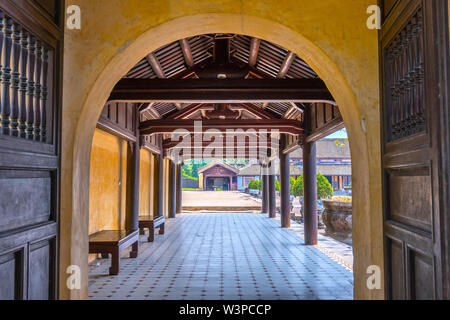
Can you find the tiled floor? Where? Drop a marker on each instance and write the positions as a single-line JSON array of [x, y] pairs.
[[224, 256]]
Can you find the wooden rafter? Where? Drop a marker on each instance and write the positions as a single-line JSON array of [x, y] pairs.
[[189, 110], [150, 108], [186, 48], [254, 110], [159, 71], [289, 112], [254, 50], [154, 63], [286, 65]]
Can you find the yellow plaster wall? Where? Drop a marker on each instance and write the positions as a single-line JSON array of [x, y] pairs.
[[107, 183], [200, 181], [329, 35], [145, 198]]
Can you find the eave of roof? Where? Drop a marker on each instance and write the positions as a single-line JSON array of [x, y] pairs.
[[218, 163]]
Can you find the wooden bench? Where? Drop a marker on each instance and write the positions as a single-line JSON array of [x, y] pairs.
[[114, 242], [151, 224]]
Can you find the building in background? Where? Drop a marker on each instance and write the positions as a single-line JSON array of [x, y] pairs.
[[218, 176], [333, 162]]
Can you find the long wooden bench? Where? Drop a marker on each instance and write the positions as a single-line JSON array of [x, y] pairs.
[[151, 224], [114, 242]]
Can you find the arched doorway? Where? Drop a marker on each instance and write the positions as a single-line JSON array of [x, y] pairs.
[[365, 207]]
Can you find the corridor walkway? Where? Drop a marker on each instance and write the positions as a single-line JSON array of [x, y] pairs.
[[223, 256]]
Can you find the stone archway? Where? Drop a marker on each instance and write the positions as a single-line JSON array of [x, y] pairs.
[[75, 166]]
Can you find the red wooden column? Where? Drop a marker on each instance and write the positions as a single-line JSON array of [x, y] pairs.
[[172, 189], [272, 193], [265, 189], [179, 188], [285, 185], [310, 193]]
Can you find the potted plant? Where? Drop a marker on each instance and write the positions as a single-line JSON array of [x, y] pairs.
[[337, 217]]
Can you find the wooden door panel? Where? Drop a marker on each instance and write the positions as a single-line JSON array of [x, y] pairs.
[[11, 275], [26, 198], [31, 43], [421, 277], [395, 268], [411, 86], [412, 203], [42, 269]]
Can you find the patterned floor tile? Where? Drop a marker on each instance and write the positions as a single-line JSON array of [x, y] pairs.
[[222, 257]]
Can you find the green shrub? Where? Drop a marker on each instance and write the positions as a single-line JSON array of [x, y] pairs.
[[324, 188], [278, 187], [254, 185]]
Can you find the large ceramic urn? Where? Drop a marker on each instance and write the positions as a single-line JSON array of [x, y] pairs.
[[337, 218]]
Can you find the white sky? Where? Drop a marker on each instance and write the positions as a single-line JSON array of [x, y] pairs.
[[341, 134]]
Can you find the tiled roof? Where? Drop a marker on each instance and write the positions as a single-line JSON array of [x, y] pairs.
[[218, 163], [327, 149], [326, 170]]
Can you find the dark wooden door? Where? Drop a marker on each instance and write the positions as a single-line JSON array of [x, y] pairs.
[[415, 117], [31, 36]]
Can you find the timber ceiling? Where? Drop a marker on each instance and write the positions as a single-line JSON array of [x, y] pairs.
[[215, 55]]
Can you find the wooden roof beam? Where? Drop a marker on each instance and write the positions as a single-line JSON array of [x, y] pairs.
[[169, 126], [169, 144], [221, 91], [225, 154]]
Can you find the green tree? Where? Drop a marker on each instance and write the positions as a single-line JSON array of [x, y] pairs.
[[292, 184], [277, 185], [298, 187], [324, 188]]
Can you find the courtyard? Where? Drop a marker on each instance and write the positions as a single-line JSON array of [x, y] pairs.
[[233, 200]]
